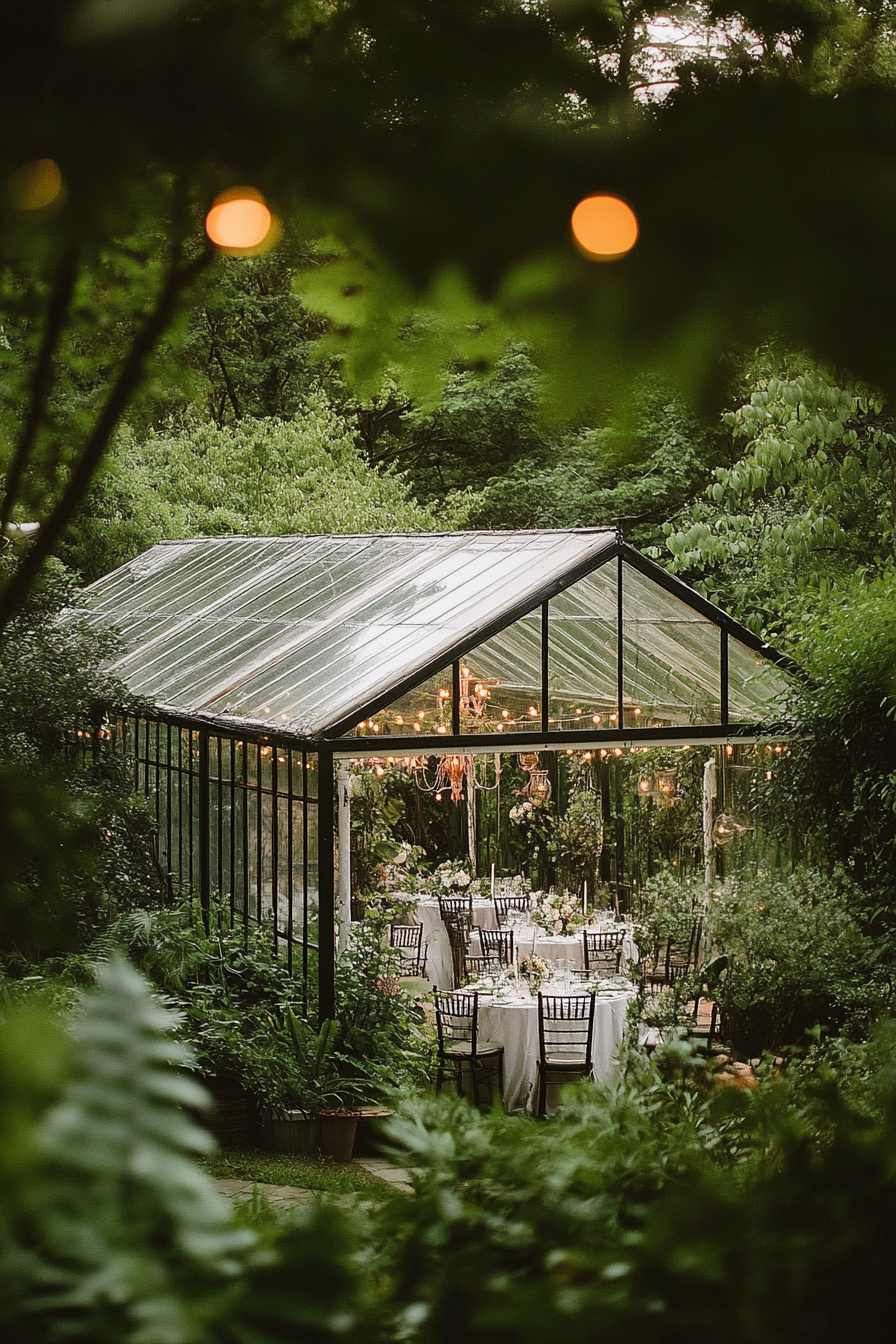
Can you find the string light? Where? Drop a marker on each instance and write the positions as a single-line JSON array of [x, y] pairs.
[[596, 718]]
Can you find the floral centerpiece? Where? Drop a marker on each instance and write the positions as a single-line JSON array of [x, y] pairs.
[[454, 878], [534, 970], [559, 912]]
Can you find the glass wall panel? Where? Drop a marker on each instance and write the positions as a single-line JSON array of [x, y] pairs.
[[755, 686], [259, 834], [425, 709], [500, 681], [582, 653], [671, 664]]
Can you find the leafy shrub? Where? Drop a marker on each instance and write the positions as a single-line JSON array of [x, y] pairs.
[[110, 1232], [668, 906], [246, 1018], [660, 1209], [78, 846], [796, 957], [231, 990]]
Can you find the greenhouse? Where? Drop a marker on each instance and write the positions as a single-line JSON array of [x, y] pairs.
[[260, 665]]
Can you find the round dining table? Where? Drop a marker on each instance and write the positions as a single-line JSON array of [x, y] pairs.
[[439, 966], [513, 1021], [559, 949], [569, 949]]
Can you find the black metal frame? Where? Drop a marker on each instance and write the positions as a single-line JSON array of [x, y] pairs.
[[216, 795]]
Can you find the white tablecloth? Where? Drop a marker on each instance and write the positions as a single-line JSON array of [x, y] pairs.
[[515, 1024], [556, 947], [439, 970], [527, 938]]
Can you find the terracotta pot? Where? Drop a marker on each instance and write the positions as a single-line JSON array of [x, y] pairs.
[[293, 1132], [337, 1134]]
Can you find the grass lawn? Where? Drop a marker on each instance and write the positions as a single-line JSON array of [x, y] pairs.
[[308, 1173]]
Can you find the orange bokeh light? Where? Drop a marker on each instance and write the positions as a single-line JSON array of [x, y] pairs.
[[239, 220], [35, 185], [604, 227]]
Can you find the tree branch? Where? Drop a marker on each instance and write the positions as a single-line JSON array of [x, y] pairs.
[[42, 379], [129, 378]]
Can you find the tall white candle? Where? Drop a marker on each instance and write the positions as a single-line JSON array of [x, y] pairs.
[[585, 898], [493, 879]]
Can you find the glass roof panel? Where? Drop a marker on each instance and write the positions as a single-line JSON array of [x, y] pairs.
[[671, 660], [308, 632], [501, 691], [756, 688], [582, 652], [312, 634]]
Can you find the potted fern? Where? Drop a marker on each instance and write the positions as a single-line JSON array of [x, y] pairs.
[[306, 1087]]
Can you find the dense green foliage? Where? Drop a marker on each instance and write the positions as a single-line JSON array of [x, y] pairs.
[[246, 1017], [76, 843], [796, 956], [632, 1214], [265, 476], [808, 492]]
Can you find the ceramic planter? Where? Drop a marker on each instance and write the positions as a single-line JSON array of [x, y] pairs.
[[293, 1132], [337, 1134]]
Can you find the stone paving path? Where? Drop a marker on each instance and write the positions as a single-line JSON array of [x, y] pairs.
[[397, 1177], [292, 1196]]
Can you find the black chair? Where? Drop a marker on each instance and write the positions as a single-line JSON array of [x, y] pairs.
[[706, 1026], [409, 937], [456, 905], [461, 1052], [497, 944], [603, 951], [565, 1038], [685, 951], [505, 903], [476, 966], [458, 925]]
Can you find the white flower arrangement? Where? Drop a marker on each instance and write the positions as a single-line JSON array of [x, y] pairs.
[[535, 970], [559, 912], [454, 876]]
